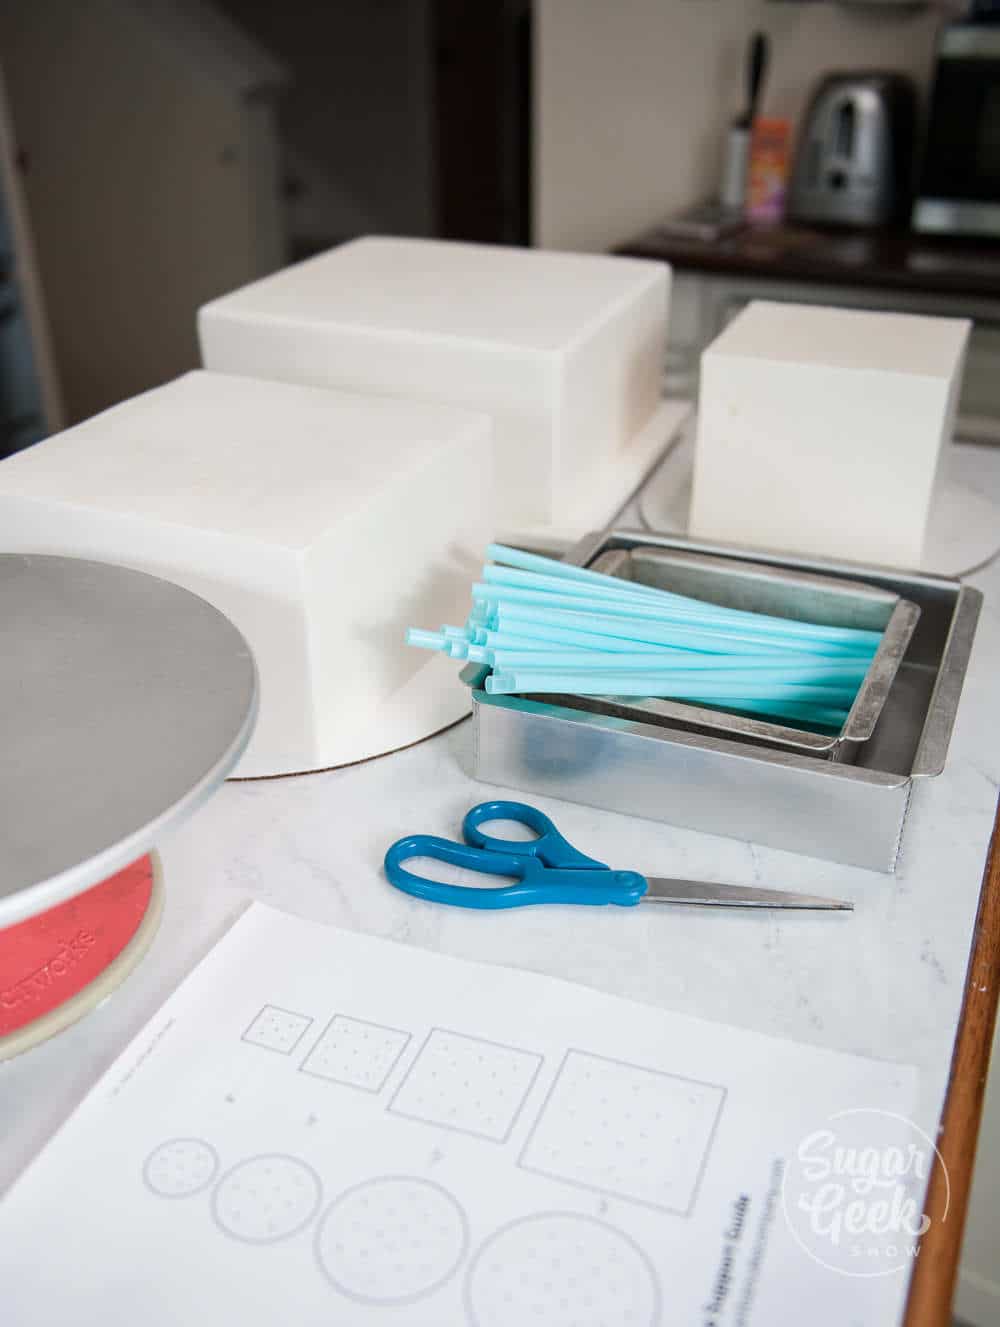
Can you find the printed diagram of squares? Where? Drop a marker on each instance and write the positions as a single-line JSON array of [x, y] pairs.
[[562, 1270], [391, 1240], [467, 1084], [266, 1198], [626, 1131], [277, 1029], [355, 1052], [180, 1167]]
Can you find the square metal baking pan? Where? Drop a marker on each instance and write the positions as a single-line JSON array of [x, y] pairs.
[[780, 592], [847, 812]]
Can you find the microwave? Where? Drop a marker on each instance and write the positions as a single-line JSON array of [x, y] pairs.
[[958, 192]]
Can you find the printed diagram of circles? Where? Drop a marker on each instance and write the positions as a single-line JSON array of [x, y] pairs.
[[180, 1167], [562, 1270], [391, 1239], [266, 1198]]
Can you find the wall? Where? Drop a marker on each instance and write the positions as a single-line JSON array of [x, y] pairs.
[[632, 99], [140, 173], [19, 245], [355, 119]]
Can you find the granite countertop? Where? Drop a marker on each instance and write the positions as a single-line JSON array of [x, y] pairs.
[[887, 980]]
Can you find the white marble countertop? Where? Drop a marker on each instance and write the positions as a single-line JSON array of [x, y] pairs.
[[886, 980]]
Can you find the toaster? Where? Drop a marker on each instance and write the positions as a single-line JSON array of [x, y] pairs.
[[854, 156]]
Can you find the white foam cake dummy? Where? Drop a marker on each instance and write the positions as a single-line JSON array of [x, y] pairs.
[[821, 430], [963, 525], [564, 351], [321, 523]]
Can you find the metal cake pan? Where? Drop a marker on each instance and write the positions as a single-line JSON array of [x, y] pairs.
[[779, 592], [848, 811]]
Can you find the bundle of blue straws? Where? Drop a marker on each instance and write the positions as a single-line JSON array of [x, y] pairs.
[[547, 626]]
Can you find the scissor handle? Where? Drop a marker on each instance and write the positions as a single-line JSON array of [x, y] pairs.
[[536, 883], [550, 848]]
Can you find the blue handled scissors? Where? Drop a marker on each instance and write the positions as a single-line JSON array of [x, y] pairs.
[[548, 869]]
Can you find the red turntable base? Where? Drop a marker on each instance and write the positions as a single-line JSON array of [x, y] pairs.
[[60, 964]]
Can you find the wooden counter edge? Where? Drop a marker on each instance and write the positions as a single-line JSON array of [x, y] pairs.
[[932, 1287]]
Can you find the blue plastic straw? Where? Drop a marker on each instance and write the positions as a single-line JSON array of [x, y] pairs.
[[724, 681], [711, 640], [516, 557], [747, 624], [807, 666], [752, 668], [568, 571], [547, 626], [510, 681], [437, 640], [570, 594], [554, 573], [536, 635], [827, 716], [515, 579], [651, 602], [426, 640]]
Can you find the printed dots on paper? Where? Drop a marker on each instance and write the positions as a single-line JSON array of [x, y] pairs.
[[466, 1084], [180, 1167], [562, 1270], [391, 1239], [357, 1053], [277, 1029], [266, 1198], [625, 1131]]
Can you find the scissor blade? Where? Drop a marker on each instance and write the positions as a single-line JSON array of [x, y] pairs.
[[709, 894]]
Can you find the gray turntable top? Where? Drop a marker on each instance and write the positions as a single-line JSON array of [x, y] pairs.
[[124, 702]]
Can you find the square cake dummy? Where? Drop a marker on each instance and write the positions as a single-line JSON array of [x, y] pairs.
[[564, 351], [321, 523], [820, 430]]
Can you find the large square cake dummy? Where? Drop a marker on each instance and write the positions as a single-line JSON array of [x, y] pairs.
[[321, 523], [565, 351]]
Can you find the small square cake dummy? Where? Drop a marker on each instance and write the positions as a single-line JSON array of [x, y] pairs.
[[820, 430], [321, 523], [564, 351]]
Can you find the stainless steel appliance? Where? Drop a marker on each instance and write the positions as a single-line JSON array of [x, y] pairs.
[[959, 188], [854, 156]]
